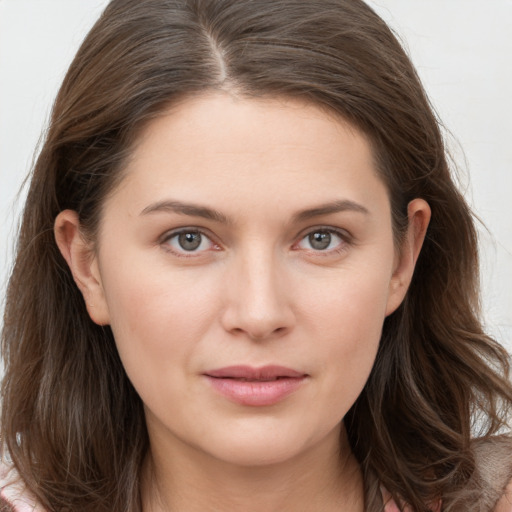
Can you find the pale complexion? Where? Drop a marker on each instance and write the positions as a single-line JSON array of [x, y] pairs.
[[247, 232]]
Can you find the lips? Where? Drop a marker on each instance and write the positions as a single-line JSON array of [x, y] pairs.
[[264, 373], [251, 386]]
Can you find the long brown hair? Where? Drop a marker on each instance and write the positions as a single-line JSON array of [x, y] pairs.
[[71, 421]]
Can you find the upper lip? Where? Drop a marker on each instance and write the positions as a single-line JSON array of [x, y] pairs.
[[269, 372]]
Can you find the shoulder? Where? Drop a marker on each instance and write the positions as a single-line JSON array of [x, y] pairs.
[[494, 464], [505, 502], [490, 487], [13, 495]]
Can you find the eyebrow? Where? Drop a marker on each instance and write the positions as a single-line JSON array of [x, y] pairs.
[[190, 209], [205, 212], [330, 208]]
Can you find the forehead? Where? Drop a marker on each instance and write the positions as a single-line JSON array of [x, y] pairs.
[[239, 151]]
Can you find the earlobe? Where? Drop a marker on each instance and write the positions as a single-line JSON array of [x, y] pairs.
[[83, 264], [419, 213]]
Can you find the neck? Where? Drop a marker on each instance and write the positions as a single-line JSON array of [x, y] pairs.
[[326, 478]]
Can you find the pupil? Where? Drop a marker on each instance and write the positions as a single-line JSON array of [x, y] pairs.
[[320, 240], [189, 241]]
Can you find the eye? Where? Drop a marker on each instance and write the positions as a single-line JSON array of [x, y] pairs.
[[188, 241], [322, 240]]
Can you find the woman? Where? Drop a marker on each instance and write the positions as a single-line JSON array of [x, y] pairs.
[[245, 279]]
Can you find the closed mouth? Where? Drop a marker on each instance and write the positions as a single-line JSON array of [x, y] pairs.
[[250, 386], [255, 374]]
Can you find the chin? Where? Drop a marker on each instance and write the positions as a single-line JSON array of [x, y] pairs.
[[272, 445], [254, 455]]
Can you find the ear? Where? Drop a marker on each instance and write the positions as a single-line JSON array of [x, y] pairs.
[[83, 264], [418, 212]]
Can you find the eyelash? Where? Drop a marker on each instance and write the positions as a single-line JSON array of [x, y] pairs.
[[345, 241], [344, 237], [182, 253]]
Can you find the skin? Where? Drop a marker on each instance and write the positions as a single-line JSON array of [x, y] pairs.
[[505, 503], [257, 291]]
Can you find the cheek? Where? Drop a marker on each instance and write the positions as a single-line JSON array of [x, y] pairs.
[[157, 316], [351, 303], [158, 324], [348, 318]]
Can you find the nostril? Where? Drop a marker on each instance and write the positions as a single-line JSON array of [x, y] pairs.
[[260, 334]]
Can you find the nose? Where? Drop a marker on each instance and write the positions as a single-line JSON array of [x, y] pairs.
[[259, 299]]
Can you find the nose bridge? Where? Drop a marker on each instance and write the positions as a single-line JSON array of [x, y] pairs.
[[259, 302]]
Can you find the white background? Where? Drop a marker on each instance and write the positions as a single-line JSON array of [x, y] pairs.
[[461, 48]]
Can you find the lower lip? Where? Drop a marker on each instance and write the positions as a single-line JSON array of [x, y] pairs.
[[256, 393]]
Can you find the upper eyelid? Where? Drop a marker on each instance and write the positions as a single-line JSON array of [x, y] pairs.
[[346, 241], [164, 242], [343, 233], [186, 229]]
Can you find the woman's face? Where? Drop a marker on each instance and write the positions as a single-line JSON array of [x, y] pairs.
[[246, 264]]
